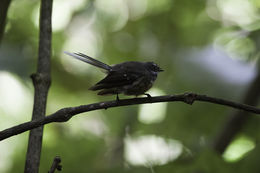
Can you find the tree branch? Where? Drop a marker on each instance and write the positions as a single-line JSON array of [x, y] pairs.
[[41, 81], [65, 114]]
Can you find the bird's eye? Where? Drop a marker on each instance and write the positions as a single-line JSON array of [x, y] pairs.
[[155, 67]]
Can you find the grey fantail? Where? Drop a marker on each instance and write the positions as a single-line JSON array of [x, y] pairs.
[[129, 78]]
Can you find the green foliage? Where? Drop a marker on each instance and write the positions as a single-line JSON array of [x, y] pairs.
[[176, 35]]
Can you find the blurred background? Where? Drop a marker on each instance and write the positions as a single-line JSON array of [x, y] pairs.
[[205, 46]]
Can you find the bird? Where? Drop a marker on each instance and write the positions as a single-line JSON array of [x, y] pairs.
[[128, 78]]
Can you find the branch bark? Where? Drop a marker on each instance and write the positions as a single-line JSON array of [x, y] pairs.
[[65, 114], [41, 81]]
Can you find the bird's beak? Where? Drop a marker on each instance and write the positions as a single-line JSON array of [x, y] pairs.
[[161, 70]]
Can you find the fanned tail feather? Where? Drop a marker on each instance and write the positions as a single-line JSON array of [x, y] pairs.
[[89, 60]]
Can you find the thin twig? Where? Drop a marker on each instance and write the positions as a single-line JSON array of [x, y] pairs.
[[55, 165], [65, 114]]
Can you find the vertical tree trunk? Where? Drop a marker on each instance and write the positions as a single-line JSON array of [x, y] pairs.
[[4, 5], [238, 120], [41, 81]]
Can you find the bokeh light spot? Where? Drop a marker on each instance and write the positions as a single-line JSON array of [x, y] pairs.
[[238, 148], [151, 150], [152, 113]]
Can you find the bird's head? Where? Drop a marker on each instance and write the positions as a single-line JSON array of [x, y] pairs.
[[153, 67]]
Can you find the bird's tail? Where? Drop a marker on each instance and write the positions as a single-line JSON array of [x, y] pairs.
[[89, 60]]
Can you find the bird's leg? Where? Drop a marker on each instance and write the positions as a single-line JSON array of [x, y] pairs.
[[117, 98], [148, 95]]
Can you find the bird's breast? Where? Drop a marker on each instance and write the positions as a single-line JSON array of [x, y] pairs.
[[141, 85]]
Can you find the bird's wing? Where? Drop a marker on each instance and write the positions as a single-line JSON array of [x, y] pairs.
[[115, 79]]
